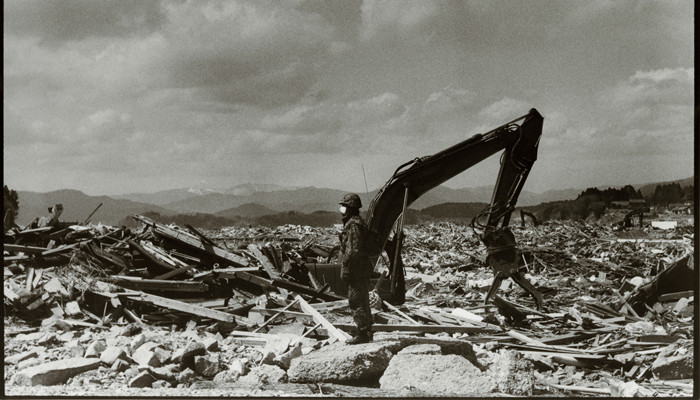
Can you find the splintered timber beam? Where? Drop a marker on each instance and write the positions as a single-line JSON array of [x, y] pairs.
[[281, 283], [24, 249], [159, 284], [421, 328], [193, 241], [267, 265], [333, 331], [181, 306], [175, 272]]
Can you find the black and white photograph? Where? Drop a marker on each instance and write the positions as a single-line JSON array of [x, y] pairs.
[[349, 198]]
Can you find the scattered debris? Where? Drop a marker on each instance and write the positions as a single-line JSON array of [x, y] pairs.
[[166, 307]]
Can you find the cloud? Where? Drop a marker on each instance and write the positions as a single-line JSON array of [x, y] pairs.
[[648, 114], [335, 117], [504, 109], [446, 101], [262, 54], [54, 22]]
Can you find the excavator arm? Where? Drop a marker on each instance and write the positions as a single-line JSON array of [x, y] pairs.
[[518, 140]]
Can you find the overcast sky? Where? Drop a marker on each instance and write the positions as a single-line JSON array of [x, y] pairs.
[[113, 97]]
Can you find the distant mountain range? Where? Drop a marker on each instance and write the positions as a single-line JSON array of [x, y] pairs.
[[249, 201]]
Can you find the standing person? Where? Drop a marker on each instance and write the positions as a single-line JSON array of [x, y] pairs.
[[356, 266]]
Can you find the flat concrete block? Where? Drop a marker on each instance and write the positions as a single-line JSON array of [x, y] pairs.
[[55, 372], [342, 363]]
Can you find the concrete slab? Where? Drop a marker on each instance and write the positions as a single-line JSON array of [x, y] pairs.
[[341, 363], [55, 372]]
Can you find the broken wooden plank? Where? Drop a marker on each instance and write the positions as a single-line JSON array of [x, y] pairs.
[[17, 248], [332, 330], [280, 283], [181, 306], [136, 283], [61, 249], [420, 328], [175, 272], [290, 305], [330, 305], [401, 313], [192, 241], [264, 261], [16, 258], [674, 296], [224, 273], [149, 256], [582, 389], [286, 314]]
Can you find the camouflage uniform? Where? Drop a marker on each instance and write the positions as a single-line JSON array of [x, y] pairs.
[[356, 270]]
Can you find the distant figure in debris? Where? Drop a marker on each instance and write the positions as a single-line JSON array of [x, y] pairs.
[[356, 266]]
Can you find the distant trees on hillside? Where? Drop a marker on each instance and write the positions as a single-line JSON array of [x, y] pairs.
[[670, 193]]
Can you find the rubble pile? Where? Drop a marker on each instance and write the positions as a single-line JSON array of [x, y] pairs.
[[94, 309]]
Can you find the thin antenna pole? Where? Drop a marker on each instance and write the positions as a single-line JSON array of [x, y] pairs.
[[365, 178]]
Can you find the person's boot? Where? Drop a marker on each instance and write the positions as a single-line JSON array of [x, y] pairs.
[[361, 337]]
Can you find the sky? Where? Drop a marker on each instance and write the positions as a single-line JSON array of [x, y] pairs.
[[121, 96]]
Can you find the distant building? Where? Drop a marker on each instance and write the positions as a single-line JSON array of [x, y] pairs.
[[684, 209], [619, 204], [631, 204], [635, 203]]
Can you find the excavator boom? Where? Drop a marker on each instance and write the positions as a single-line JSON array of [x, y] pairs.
[[416, 177]]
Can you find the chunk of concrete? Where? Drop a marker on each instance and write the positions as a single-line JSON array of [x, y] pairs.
[[76, 351], [210, 344], [168, 372], [186, 376], [284, 360], [146, 356], [206, 366], [437, 374], [161, 384], [185, 355], [120, 365], [112, 354], [142, 380], [162, 354], [447, 374], [96, 348], [427, 348], [506, 365], [30, 362], [227, 376], [55, 372], [341, 363], [17, 358], [674, 367], [137, 341], [239, 366], [264, 374]]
